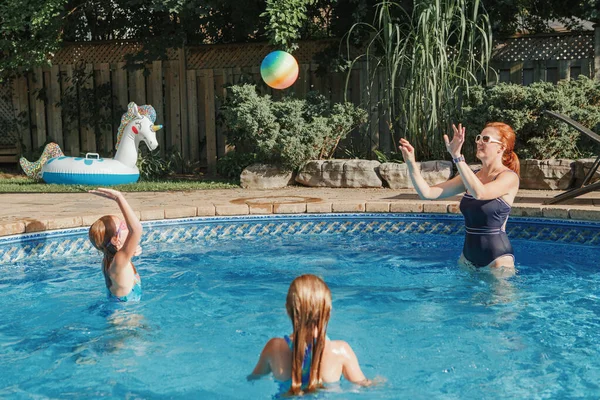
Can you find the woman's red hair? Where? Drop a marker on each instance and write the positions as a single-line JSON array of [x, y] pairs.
[[508, 138]]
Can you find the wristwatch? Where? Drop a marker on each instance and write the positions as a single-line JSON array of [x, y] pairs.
[[458, 159]]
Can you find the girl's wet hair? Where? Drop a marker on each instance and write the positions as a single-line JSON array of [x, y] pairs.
[[101, 232], [308, 305]]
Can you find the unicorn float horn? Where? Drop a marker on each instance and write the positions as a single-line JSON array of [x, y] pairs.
[[156, 127]]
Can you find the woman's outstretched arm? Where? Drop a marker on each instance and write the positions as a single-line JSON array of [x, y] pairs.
[[442, 190]]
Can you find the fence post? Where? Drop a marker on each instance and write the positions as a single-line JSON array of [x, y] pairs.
[[87, 133], [105, 129], [183, 104], [71, 126], [192, 115], [55, 111], [40, 108], [21, 110], [597, 51], [157, 100], [209, 121]]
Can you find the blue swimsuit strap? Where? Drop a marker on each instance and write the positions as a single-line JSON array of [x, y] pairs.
[[307, 359], [134, 295]]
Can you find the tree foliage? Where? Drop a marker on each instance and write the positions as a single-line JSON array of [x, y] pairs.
[[32, 30], [521, 107], [285, 18], [29, 31], [519, 16]]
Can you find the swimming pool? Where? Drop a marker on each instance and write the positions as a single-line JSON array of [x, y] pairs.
[[214, 293]]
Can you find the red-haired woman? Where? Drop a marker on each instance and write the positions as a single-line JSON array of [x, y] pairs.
[[489, 192]]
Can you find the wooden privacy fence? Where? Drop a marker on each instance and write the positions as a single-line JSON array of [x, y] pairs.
[[188, 89], [186, 96]]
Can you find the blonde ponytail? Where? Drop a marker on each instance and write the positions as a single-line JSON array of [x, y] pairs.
[[308, 305]]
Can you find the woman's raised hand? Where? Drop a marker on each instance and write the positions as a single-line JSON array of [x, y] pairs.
[[408, 152], [108, 193], [454, 147]]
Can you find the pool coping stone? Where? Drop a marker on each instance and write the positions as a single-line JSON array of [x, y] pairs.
[[44, 212]]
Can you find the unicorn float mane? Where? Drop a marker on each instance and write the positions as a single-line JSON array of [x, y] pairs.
[[54, 167], [145, 110]]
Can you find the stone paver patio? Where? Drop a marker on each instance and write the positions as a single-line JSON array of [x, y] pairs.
[[33, 212]]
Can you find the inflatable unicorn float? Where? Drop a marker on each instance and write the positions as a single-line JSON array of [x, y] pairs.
[[137, 125]]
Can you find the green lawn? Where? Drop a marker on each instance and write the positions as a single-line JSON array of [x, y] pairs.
[[25, 185]]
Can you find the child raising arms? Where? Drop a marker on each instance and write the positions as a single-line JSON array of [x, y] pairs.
[[305, 360], [119, 241]]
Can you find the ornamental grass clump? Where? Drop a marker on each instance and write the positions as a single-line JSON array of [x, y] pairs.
[[427, 56]]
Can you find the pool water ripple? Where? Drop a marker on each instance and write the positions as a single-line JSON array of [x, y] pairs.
[[431, 329]]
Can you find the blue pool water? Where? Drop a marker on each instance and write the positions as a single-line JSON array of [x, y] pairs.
[[431, 329]]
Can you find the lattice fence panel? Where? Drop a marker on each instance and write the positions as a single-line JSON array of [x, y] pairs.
[[563, 47], [98, 53], [8, 136], [198, 57], [247, 54]]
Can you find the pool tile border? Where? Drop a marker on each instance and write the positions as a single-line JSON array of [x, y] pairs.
[[570, 212], [74, 241]]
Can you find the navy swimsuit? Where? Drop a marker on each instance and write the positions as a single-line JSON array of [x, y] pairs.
[[485, 238]]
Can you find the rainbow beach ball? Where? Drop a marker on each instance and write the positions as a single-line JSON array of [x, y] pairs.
[[279, 69]]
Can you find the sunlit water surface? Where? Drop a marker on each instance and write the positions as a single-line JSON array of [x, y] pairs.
[[431, 329]]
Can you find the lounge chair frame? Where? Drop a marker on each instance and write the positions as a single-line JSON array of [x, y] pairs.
[[584, 186]]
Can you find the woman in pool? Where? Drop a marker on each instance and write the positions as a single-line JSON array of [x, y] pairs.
[[489, 192], [306, 359], [119, 241]]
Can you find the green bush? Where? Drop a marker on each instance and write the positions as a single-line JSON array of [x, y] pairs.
[[288, 132], [233, 163], [153, 166], [538, 136]]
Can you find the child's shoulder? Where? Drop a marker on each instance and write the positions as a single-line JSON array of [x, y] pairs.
[[341, 343], [276, 343], [339, 346]]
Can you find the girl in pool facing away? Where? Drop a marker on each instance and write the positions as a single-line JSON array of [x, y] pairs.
[[119, 241], [488, 192], [306, 359]]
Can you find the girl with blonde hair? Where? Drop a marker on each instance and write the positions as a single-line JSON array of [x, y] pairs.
[[118, 240], [307, 359]]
